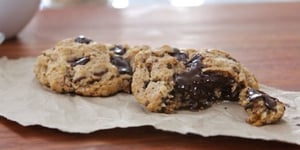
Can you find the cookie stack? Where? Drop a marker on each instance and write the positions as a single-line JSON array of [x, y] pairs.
[[164, 79]]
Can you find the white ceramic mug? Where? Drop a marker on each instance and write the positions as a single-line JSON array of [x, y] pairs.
[[15, 14]]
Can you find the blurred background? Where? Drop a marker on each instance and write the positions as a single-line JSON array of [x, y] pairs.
[[133, 3], [260, 33]]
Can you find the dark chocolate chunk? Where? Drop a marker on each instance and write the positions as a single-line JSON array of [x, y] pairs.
[[186, 83], [122, 65], [118, 49], [197, 88], [179, 55], [270, 102], [298, 124], [80, 61], [191, 76], [253, 94], [82, 39]]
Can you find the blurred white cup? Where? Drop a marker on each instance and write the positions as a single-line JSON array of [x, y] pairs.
[[1, 37], [15, 14]]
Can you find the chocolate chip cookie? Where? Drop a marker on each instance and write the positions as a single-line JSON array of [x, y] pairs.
[[169, 79], [82, 66], [164, 80]]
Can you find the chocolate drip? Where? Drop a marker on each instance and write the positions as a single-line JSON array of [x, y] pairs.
[[122, 65], [80, 61], [197, 89], [270, 102], [82, 39], [179, 55], [118, 49]]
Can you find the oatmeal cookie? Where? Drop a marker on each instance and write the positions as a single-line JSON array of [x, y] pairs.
[[168, 79], [82, 66], [163, 80]]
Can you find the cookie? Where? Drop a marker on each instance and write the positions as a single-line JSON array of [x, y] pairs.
[[163, 80], [261, 108], [82, 66], [168, 79]]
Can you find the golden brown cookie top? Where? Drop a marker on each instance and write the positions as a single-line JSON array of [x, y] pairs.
[[80, 65]]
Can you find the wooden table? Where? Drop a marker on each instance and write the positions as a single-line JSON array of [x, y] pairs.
[[264, 37]]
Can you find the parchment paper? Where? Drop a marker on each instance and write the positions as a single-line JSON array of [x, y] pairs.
[[24, 100]]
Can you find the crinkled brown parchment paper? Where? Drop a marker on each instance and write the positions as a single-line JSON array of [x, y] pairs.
[[24, 100]]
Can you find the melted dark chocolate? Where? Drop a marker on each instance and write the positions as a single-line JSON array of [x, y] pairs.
[[82, 39], [80, 61], [179, 55], [197, 89], [118, 49], [270, 102], [122, 65], [187, 82]]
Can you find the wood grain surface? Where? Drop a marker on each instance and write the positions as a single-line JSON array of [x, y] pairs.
[[264, 37]]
